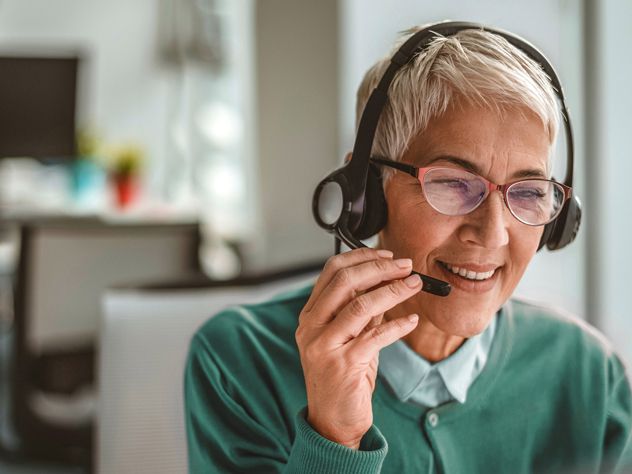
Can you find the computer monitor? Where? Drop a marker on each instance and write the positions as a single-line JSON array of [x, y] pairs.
[[38, 98]]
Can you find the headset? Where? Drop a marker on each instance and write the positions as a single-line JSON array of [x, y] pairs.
[[350, 202]]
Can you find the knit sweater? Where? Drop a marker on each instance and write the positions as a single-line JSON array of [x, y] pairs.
[[553, 397]]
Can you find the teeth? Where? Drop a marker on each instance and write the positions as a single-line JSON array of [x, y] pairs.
[[469, 274]]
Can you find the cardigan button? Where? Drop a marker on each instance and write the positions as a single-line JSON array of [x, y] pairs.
[[433, 419]]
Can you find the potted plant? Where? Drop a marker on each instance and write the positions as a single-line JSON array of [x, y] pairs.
[[127, 163]]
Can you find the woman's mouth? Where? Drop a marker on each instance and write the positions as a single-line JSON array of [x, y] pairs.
[[469, 274], [466, 277]]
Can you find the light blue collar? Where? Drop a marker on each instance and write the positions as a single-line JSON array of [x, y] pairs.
[[412, 378]]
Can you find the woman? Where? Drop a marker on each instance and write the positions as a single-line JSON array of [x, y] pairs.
[[475, 382]]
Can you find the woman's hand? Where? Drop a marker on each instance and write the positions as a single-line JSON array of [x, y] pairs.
[[341, 332]]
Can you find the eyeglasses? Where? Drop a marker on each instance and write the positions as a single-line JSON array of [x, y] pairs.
[[456, 192]]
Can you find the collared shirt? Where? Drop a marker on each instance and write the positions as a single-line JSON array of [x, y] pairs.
[[413, 379]]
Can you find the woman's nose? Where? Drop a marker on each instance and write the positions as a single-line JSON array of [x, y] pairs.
[[487, 226]]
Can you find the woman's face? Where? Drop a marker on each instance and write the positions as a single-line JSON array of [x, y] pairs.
[[501, 148]]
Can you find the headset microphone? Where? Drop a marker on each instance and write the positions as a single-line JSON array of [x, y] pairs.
[[350, 202]]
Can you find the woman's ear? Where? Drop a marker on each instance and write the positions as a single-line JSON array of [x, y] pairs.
[[347, 157]]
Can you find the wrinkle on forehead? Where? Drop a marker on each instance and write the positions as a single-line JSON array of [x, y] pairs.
[[513, 143]]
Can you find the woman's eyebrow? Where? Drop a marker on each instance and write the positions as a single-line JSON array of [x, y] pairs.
[[468, 165], [463, 163]]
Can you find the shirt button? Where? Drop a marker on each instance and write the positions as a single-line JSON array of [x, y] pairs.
[[433, 419]]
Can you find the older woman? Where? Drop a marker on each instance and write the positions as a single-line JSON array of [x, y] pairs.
[[473, 382]]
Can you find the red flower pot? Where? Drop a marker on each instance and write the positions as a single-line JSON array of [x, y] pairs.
[[126, 190]]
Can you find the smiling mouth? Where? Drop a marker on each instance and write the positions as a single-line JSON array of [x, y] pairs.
[[468, 274]]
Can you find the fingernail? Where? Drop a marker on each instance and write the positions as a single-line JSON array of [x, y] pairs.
[[413, 318], [404, 262], [413, 281], [385, 253]]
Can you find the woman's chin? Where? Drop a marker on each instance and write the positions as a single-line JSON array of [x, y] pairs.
[[461, 323]]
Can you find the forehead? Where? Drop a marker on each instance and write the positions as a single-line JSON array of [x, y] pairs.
[[497, 144]]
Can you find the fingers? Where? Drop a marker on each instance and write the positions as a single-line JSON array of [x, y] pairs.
[[372, 341], [339, 262], [359, 312], [348, 282]]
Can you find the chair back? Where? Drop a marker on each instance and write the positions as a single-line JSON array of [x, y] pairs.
[[145, 339]]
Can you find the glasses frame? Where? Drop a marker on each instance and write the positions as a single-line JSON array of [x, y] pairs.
[[420, 172]]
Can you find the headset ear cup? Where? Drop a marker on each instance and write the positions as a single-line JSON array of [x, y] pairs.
[[546, 235], [566, 229], [563, 230], [375, 211]]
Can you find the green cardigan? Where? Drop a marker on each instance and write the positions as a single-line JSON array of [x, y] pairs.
[[553, 397]]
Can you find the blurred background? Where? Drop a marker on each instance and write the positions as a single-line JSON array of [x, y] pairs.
[[156, 155]]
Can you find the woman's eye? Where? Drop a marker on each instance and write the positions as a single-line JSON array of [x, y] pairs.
[[530, 194], [456, 184]]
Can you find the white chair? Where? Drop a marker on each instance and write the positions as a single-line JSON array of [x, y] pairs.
[[145, 338]]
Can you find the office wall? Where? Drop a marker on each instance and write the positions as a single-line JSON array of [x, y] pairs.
[[124, 92], [296, 90], [612, 169], [287, 56]]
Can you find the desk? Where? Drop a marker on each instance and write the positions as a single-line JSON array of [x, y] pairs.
[[65, 263]]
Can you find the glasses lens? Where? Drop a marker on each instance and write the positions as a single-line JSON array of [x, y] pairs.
[[453, 192], [535, 201]]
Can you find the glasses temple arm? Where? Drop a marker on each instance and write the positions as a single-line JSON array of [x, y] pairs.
[[406, 168]]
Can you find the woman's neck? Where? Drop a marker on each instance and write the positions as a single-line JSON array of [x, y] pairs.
[[426, 339]]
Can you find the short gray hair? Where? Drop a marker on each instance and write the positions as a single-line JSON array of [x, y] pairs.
[[480, 67]]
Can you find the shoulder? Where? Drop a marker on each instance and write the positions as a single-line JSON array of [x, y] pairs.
[[268, 326], [561, 337], [243, 377], [537, 319]]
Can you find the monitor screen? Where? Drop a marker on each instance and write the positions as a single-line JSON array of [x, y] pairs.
[[37, 106]]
